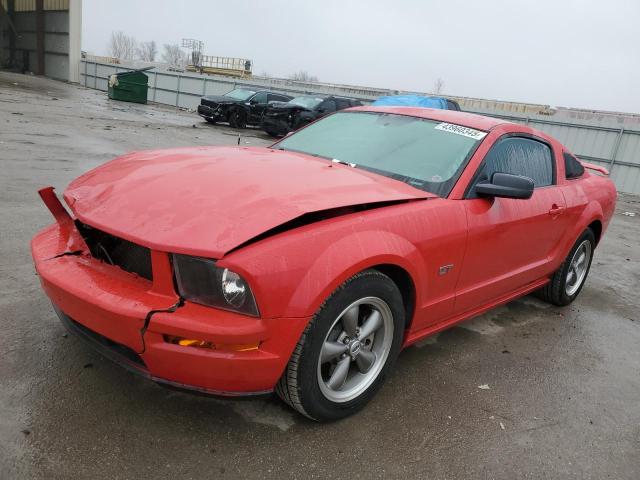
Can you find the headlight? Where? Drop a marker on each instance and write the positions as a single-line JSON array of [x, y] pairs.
[[199, 280]]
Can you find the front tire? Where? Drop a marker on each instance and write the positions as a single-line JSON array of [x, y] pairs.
[[347, 349], [567, 282], [238, 118]]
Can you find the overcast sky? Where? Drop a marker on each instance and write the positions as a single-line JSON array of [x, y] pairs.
[[574, 53]]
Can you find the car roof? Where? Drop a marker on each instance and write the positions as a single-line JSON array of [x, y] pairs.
[[471, 120], [325, 96], [262, 91], [344, 98], [314, 95]]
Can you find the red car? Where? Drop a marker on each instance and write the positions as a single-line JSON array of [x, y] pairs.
[[305, 267]]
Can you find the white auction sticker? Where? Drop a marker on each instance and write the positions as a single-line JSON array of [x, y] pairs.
[[460, 130]]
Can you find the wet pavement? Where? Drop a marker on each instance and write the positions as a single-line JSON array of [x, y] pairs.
[[561, 386]]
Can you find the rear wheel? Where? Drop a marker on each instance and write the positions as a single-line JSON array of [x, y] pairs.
[[568, 280], [210, 120], [346, 350], [271, 133]]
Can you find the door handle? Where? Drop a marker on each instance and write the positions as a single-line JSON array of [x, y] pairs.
[[556, 210]]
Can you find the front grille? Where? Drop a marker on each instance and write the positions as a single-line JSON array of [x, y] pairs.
[[117, 251]]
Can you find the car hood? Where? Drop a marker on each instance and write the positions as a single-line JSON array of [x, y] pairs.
[[220, 99], [283, 106], [207, 201]]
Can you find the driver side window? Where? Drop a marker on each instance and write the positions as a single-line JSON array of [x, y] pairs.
[[260, 97], [327, 106], [518, 156]]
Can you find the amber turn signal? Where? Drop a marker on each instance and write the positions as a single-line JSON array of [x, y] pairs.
[[189, 342]]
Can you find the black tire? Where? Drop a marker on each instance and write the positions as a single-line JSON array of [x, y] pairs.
[[299, 385], [271, 133], [210, 120], [238, 118], [555, 292]]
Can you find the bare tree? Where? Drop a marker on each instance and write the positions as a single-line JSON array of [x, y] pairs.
[[122, 46], [173, 55], [148, 51], [438, 86], [303, 76]]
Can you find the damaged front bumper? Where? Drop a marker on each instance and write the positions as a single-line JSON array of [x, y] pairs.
[[131, 320], [212, 113]]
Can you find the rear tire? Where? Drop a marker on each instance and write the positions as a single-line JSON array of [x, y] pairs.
[[358, 328], [210, 120], [567, 282], [272, 134]]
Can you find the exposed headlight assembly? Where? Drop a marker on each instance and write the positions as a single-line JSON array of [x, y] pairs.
[[199, 280]]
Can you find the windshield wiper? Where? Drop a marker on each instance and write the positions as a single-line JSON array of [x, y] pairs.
[[352, 165]]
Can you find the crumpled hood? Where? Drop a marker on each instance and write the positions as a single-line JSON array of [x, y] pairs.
[[219, 99], [284, 106], [208, 200]]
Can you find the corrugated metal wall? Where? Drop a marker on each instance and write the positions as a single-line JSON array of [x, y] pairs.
[[30, 5], [56, 38], [609, 140]]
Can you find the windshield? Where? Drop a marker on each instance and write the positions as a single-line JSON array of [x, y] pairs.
[[426, 154], [306, 102], [240, 94]]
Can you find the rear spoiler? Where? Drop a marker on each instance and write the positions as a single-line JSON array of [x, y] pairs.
[[596, 168]]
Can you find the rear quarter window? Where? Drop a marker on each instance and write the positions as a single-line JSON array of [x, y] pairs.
[[572, 167]]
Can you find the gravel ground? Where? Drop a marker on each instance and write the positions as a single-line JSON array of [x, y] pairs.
[[564, 383]]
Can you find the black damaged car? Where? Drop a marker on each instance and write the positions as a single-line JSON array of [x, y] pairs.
[[240, 107], [282, 118]]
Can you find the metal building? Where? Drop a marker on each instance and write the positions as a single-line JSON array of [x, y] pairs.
[[41, 36]]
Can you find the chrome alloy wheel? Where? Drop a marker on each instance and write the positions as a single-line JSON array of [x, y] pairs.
[[578, 268], [355, 350]]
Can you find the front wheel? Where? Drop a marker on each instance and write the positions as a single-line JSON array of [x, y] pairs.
[[347, 349], [238, 118], [568, 280]]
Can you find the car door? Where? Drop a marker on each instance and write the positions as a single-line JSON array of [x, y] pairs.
[[325, 107], [510, 241], [257, 106], [342, 103]]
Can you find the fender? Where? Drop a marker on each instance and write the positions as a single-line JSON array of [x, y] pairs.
[[591, 213], [350, 255], [293, 272]]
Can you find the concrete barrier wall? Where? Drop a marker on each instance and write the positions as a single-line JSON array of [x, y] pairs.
[[608, 139]]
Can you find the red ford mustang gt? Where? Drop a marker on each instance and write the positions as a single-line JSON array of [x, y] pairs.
[[305, 267]]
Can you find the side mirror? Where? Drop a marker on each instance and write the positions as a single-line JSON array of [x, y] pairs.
[[505, 185]]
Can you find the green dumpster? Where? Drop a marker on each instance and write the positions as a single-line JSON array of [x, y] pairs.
[[129, 86]]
